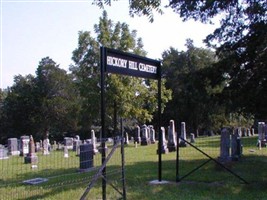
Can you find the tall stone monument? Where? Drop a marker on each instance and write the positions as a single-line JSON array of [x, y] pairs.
[[137, 137], [182, 143], [164, 148], [31, 156], [172, 144]]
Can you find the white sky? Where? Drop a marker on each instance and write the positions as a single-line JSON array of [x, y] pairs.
[[32, 30]]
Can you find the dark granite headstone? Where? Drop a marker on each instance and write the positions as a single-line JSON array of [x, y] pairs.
[[86, 157]]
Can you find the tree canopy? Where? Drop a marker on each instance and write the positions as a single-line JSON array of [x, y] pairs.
[[240, 43]]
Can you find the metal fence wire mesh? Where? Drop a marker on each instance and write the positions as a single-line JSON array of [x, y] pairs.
[[59, 171]]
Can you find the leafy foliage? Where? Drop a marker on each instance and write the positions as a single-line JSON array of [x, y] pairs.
[[130, 97]]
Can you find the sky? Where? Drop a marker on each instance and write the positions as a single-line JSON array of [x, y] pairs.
[[32, 30]]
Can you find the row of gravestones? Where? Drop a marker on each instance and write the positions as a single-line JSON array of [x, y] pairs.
[[144, 135], [27, 147]]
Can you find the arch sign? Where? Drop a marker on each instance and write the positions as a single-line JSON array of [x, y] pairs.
[[118, 62]]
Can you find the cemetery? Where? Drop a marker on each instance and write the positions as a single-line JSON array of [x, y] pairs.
[[30, 170]]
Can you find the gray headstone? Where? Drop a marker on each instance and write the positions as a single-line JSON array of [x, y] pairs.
[[93, 141], [31, 156], [225, 145], [236, 146], [68, 142], [137, 137], [152, 134], [182, 143], [3, 152], [261, 134], [192, 138], [145, 140], [46, 145], [164, 148], [24, 142], [171, 137], [13, 147]]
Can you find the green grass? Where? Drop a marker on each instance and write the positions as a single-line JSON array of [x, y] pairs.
[[209, 182]]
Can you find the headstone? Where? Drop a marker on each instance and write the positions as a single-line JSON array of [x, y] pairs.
[[192, 138], [24, 148], [31, 156], [13, 148], [248, 132], [171, 137], [68, 142], [66, 152], [145, 140], [37, 147], [93, 141], [225, 145], [236, 146], [252, 131], [3, 152], [182, 143], [86, 157], [76, 144], [126, 139], [261, 134], [46, 144], [164, 148], [244, 132], [152, 134], [137, 137]]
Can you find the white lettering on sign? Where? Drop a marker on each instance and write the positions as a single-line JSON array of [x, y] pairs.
[[116, 62], [133, 65], [147, 68]]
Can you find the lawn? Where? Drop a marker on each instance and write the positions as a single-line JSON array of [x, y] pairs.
[[209, 182]]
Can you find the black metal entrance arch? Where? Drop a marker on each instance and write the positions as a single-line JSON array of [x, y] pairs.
[[114, 61]]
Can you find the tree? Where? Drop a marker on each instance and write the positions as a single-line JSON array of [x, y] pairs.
[[35, 105], [132, 98], [193, 97], [57, 98], [19, 107], [240, 43]]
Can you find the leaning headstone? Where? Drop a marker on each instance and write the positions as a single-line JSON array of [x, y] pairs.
[[171, 137], [152, 134], [137, 137], [31, 156], [182, 143], [86, 157], [192, 138], [3, 152], [145, 140], [225, 145], [164, 148], [24, 148], [13, 148], [261, 134]]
